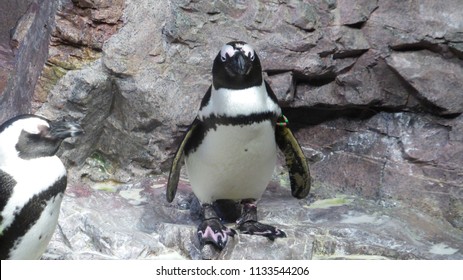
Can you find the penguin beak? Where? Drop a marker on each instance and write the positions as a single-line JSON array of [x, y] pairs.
[[64, 129], [240, 64]]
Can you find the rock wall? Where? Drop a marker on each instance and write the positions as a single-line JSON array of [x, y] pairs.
[[81, 29], [372, 88], [24, 36]]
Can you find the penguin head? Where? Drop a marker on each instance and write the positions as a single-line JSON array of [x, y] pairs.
[[236, 66], [30, 136]]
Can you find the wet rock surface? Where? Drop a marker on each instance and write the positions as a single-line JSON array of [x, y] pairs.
[[133, 221], [371, 90]]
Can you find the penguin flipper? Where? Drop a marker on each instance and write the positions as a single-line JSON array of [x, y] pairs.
[[296, 163], [177, 163]]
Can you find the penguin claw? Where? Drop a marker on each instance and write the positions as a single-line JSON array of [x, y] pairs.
[[213, 232], [256, 228]]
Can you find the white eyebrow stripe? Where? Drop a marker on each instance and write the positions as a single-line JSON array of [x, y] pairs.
[[248, 50], [227, 49]]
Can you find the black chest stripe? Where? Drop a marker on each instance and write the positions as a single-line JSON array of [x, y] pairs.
[[211, 122], [28, 216], [7, 184]]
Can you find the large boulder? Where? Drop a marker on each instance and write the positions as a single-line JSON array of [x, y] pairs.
[[434, 80]]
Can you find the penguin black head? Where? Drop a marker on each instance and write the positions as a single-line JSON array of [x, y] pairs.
[[30, 136], [236, 66]]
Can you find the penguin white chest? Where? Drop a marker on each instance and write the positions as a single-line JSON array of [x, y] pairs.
[[233, 162], [34, 243], [41, 174], [28, 201]]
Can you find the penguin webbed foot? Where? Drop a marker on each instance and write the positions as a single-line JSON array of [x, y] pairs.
[[248, 224], [212, 231], [256, 228]]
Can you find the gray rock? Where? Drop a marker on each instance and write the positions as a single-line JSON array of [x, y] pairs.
[[354, 13], [350, 42], [110, 221], [433, 78], [102, 224], [428, 25], [24, 37], [283, 85], [396, 163], [357, 86]]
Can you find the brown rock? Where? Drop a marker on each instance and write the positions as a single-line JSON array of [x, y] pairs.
[[81, 29]]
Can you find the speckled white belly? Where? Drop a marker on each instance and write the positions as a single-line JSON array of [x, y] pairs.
[[233, 162]]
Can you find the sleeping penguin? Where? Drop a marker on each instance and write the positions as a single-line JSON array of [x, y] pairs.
[[230, 149], [32, 183]]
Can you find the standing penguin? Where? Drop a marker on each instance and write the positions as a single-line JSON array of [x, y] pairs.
[[230, 149], [32, 183]]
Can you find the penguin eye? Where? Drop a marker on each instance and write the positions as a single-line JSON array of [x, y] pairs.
[[226, 50], [249, 52]]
